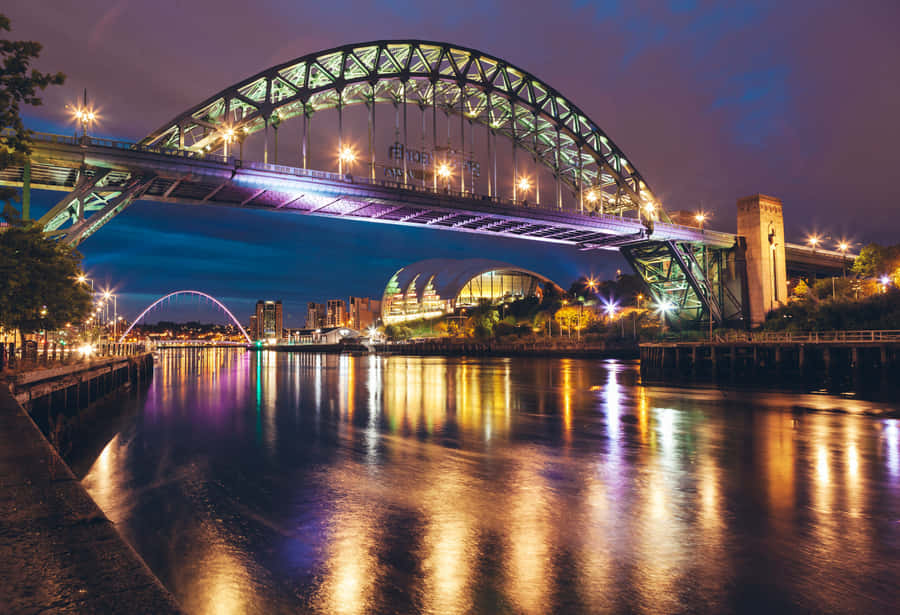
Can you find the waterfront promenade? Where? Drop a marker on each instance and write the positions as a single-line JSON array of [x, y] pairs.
[[58, 552]]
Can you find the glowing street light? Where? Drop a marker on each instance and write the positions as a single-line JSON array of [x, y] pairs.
[[663, 308], [445, 173], [843, 246], [346, 156], [701, 217], [228, 135], [813, 241], [84, 114], [523, 184], [591, 283], [611, 308]]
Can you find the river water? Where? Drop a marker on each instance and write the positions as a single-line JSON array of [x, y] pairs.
[[261, 482]]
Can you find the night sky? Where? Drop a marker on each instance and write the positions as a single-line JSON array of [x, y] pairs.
[[800, 100]]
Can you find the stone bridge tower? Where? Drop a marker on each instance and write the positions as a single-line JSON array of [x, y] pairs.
[[761, 223]]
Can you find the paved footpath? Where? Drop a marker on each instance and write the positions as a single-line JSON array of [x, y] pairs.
[[58, 551]]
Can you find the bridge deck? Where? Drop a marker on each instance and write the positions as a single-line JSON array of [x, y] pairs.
[[182, 176]]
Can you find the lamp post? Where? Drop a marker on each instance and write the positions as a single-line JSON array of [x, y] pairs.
[[445, 173], [523, 185], [701, 217], [227, 137], [85, 115], [843, 247], [107, 295], [347, 156], [664, 307]]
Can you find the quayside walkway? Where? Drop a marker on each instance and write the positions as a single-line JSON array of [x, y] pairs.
[[58, 552]]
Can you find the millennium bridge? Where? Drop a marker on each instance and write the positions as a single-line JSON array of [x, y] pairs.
[[566, 181]]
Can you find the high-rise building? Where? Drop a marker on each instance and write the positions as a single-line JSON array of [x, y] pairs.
[[337, 313], [363, 312], [315, 315], [269, 321]]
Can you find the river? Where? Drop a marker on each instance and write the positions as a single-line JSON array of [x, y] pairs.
[[263, 482]]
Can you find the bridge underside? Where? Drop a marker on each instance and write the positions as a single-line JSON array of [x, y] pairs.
[[102, 179], [689, 281]]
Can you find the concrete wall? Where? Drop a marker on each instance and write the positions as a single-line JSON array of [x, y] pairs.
[[761, 223]]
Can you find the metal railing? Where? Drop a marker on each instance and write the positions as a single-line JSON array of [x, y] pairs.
[[810, 337], [34, 356], [349, 179]]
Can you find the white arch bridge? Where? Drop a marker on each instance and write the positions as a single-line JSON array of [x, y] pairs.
[[196, 293], [593, 195]]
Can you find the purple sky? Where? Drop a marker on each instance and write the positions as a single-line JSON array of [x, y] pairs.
[[800, 100]]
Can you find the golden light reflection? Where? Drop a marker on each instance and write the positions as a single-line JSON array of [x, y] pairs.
[[566, 368], [219, 583], [779, 456], [449, 546], [822, 470], [107, 480], [350, 561], [528, 539]]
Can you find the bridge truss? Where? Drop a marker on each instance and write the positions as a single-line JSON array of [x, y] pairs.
[[476, 87]]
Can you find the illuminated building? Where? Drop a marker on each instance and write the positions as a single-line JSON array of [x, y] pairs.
[[337, 313], [268, 321], [434, 287], [315, 315], [363, 312]]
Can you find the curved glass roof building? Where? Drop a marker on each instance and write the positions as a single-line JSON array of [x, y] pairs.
[[438, 286]]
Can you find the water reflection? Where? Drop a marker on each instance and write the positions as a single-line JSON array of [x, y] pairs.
[[265, 482]]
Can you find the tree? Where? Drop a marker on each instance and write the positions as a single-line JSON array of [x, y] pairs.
[[871, 261], [19, 84], [38, 279]]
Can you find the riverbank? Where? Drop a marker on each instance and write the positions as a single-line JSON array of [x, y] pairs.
[[447, 347], [456, 348], [58, 552]]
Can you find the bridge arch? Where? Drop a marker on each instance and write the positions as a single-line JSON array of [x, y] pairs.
[[457, 80], [186, 292]]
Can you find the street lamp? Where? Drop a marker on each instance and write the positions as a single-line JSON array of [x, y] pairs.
[[346, 156], [649, 209], [843, 246], [84, 114], [523, 184], [813, 241], [701, 217], [663, 308], [445, 172], [227, 137], [107, 295]]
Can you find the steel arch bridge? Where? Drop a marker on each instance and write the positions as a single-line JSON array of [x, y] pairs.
[[475, 86], [187, 160], [187, 292]]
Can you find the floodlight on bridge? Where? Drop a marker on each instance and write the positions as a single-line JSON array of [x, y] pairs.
[[524, 184], [347, 156]]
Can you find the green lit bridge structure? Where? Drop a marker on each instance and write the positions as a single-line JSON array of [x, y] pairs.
[[563, 179]]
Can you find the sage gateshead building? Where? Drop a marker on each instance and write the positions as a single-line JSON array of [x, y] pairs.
[[438, 286]]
